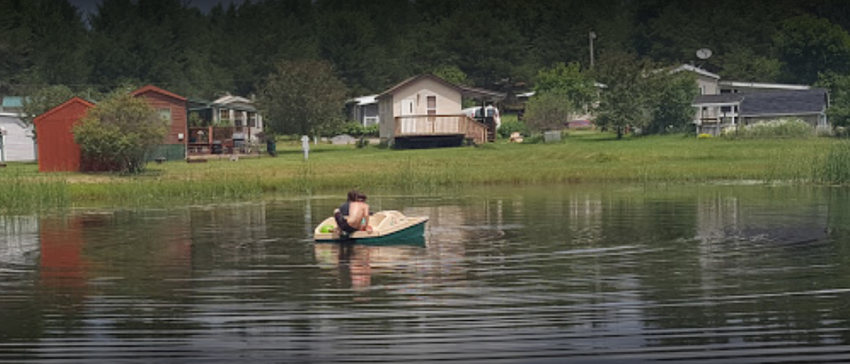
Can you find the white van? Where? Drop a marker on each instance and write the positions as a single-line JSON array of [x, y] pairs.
[[490, 111]]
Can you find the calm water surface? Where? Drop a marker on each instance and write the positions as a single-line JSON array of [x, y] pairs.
[[589, 274]]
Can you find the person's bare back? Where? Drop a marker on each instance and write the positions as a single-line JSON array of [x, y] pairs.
[[358, 216]]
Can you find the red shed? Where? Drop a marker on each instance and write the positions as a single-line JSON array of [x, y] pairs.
[[57, 151], [172, 107]]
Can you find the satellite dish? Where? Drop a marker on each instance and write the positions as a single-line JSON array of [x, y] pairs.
[[704, 53]]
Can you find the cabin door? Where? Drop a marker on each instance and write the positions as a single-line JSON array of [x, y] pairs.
[[408, 123]]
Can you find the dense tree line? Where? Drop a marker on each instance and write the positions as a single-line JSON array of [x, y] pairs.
[[497, 44]]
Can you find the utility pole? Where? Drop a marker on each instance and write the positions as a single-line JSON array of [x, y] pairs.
[[591, 36]]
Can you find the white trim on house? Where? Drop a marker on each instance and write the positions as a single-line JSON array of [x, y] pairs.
[[761, 85], [697, 70]]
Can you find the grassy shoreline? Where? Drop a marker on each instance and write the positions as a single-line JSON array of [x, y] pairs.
[[584, 157]]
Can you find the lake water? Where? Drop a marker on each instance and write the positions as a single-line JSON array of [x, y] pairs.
[[691, 274]]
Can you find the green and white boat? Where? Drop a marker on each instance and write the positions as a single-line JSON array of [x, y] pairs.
[[387, 226]]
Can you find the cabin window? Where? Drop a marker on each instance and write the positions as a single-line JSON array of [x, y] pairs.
[[165, 114], [432, 105]]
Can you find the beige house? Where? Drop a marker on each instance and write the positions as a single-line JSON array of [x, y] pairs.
[[426, 106]]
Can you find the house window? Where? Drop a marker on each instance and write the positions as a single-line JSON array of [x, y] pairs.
[[252, 119], [432, 105], [165, 114], [223, 114]]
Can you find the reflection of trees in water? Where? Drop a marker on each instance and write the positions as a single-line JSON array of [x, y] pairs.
[[751, 275]]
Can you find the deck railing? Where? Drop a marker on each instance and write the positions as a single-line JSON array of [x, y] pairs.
[[427, 125]]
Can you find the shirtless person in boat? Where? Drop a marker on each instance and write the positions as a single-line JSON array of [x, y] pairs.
[[358, 217], [353, 215]]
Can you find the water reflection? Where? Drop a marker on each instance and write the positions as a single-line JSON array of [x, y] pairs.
[[356, 264], [608, 274]]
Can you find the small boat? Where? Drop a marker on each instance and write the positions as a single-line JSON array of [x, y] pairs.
[[387, 226]]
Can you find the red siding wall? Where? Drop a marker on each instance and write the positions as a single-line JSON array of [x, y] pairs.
[[178, 114], [57, 151]]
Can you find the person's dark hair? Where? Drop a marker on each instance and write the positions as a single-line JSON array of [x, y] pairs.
[[361, 197], [353, 195]]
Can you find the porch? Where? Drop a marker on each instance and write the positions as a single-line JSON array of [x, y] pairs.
[[444, 130], [207, 140], [716, 113]]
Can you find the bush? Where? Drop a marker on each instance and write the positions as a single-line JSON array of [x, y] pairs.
[[782, 128], [512, 126], [118, 134], [354, 129]]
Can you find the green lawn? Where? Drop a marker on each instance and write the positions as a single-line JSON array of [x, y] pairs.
[[583, 157]]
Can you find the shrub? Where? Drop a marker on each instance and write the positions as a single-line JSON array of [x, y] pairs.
[[512, 126], [782, 128], [118, 134], [354, 129]]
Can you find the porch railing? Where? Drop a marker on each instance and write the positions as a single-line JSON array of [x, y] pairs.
[[428, 125]]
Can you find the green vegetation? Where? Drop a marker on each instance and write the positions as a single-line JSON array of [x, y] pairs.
[[584, 157], [511, 125], [782, 128], [119, 134], [375, 44], [835, 168], [302, 97]]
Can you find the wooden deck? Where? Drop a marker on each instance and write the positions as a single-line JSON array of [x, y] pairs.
[[440, 126]]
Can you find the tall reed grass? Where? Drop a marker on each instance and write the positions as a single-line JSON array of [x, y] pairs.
[[835, 166], [586, 158]]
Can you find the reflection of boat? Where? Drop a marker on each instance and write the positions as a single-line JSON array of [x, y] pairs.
[[387, 227]]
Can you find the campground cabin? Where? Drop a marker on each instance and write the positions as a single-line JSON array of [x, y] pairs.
[[57, 150], [426, 111], [171, 107]]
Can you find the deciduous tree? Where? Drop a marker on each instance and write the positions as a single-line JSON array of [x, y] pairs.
[[808, 45], [302, 97], [548, 111], [626, 100]]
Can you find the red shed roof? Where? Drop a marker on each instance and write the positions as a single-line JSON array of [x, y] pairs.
[[158, 90], [61, 106]]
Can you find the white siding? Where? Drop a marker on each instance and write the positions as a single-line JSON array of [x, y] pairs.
[[19, 144]]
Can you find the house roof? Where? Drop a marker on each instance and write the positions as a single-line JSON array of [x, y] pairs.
[[705, 100], [152, 88], [808, 102], [200, 104], [73, 100], [13, 101], [774, 86], [229, 99], [697, 70], [464, 90], [363, 100]]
